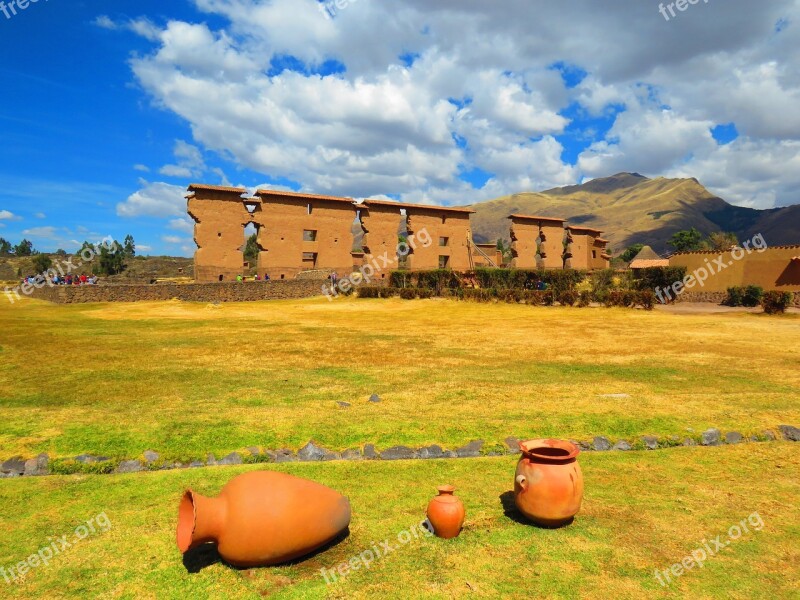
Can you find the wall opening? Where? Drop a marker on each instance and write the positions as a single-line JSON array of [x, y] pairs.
[[309, 260], [309, 235], [251, 248]]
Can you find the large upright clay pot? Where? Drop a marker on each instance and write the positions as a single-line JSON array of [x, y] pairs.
[[263, 518], [446, 513], [548, 486]]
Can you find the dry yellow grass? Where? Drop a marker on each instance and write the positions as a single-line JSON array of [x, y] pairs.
[[187, 379]]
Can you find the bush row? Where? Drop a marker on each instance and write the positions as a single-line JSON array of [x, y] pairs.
[[629, 299], [749, 296], [776, 302]]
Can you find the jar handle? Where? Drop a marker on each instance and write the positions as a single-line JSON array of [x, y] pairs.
[[523, 482]]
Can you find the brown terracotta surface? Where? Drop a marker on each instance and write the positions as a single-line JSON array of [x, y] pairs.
[[263, 518], [772, 269], [446, 513], [440, 223], [300, 232], [283, 220], [526, 231], [220, 218], [548, 484]]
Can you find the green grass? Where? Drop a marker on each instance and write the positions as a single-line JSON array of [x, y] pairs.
[[187, 379], [642, 512]]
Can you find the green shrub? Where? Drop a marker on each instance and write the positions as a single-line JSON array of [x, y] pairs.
[[567, 298], [647, 299], [388, 292], [654, 278], [548, 297], [584, 298], [401, 279], [408, 293], [734, 297], [369, 292], [425, 293], [749, 296], [776, 302], [752, 296]]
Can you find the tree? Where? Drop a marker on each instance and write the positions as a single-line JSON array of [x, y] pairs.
[[251, 248], [112, 259], [88, 246], [505, 250], [41, 263], [688, 240], [61, 252], [631, 252], [5, 246], [24, 248], [129, 246], [721, 241]]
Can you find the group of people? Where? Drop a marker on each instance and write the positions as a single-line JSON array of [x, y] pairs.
[[68, 279]]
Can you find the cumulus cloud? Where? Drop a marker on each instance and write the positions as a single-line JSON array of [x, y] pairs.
[[404, 98], [154, 199], [7, 215], [41, 232], [190, 161]]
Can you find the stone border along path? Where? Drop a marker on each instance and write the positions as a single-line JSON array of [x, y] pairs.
[[86, 463]]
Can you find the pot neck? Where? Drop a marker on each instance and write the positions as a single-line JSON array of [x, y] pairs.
[[548, 460], [210, 516]]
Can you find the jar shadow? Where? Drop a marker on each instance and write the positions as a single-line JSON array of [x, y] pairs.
[[512, 512]]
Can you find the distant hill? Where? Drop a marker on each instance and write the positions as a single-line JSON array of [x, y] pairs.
[[631, 209], [140, 269]]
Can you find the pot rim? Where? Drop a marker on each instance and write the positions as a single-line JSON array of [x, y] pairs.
[[187, 521], [530, 447]]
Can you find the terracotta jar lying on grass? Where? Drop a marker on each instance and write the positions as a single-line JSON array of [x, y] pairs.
[[548, 485], [263, 518]]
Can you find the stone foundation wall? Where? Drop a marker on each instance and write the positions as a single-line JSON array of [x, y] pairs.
[[190, 292]]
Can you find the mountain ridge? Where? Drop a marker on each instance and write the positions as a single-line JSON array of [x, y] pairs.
[[631, 208]]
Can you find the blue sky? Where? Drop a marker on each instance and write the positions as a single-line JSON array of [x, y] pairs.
[[106, 115]]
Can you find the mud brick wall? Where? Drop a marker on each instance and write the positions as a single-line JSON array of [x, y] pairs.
[[191, 292]]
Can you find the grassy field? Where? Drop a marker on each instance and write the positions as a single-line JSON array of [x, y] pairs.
[[188, 379], [642, 511]]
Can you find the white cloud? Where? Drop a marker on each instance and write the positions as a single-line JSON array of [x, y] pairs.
[[49, 233], [184, 224], [190, 162], [481, 94], [156, 199], [142, 26], [142, 168], [173, 239], [7, 215], [40, 215]]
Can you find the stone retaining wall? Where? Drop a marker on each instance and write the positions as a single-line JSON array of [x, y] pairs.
[[189, 292], [151, 461]]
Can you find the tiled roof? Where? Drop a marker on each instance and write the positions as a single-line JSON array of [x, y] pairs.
[[645, 263], [424, 207], [303, 196], [216, 188], [584, 229], [536, 218]]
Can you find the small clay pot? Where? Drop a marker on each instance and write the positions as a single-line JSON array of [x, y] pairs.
[[446, 513], [263, 518], [548, 485]]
